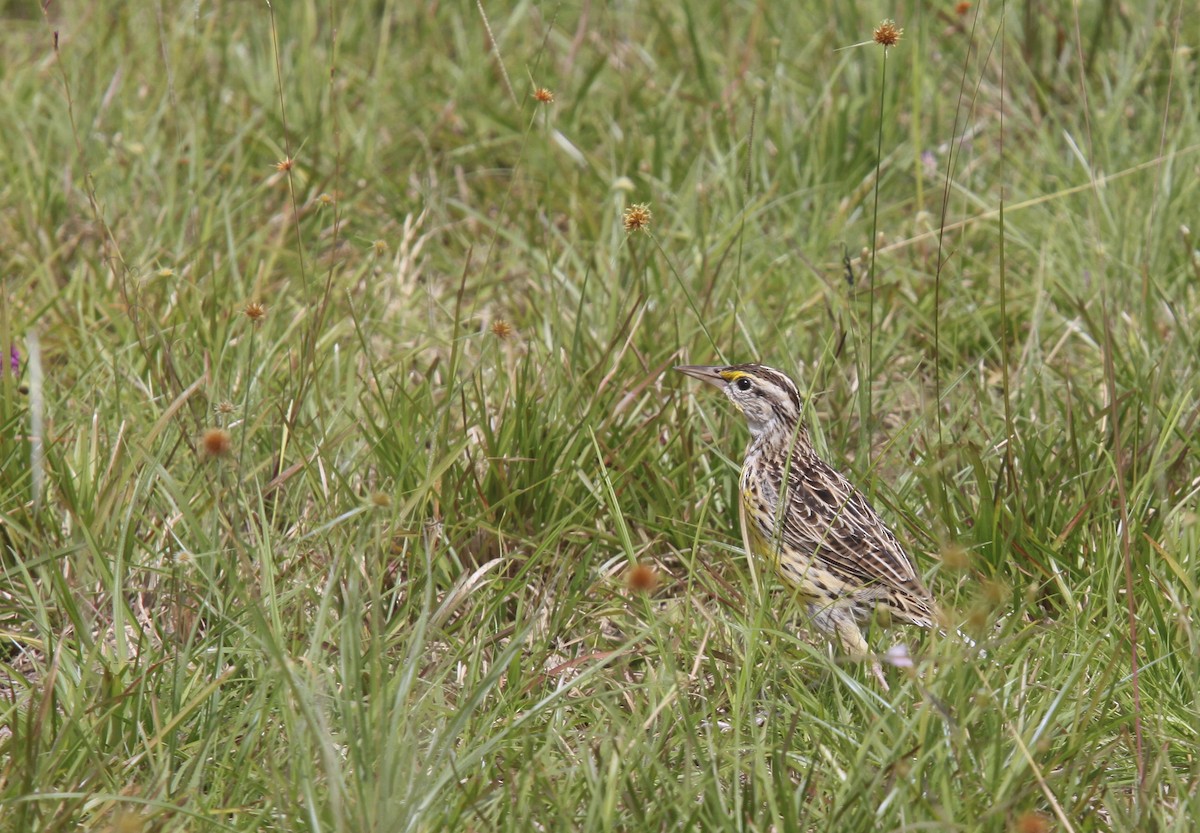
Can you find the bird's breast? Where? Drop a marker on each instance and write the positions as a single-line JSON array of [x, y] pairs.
[[758, 505]]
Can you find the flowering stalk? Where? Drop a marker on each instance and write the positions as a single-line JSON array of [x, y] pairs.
[[887, 35]]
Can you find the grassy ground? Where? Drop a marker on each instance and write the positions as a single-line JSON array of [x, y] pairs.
[[366, 563]]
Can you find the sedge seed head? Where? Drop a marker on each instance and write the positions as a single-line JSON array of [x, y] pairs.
[[995, 595], [643, 578], [224, 408], [380, 248], [887, 34], [955, 557], [286, 164], [1031, 821], [543, 95], [962, 8], [216, 442], [256, 311], [638, 217], [126, 821], [502, 330], [324, 200], [978, 619]]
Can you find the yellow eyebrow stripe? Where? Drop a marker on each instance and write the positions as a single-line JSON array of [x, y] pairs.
[[733, 375]]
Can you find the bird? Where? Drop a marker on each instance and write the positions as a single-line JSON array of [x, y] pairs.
[[816, 529]]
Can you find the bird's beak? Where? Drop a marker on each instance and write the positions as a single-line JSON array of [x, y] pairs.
[[704, 373]]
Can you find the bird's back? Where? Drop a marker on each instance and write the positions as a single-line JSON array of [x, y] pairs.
[[825, 538]]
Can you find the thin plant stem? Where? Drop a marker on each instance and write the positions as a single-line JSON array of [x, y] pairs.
[[1005, 347], [951, 158], [246, 408], [287, 146], [866, 402]]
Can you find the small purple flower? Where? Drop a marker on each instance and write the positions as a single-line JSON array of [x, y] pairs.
[[14, 360]]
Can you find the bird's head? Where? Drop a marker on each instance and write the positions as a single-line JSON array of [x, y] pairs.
[[768, 398]]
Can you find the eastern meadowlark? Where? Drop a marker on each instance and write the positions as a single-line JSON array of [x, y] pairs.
[[809, 522]]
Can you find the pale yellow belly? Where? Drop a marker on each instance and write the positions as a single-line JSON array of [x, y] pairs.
[[814, 584]]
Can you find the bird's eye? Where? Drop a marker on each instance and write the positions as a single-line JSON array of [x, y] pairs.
[[743, 383]]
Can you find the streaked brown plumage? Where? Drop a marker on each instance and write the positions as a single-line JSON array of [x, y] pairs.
[[822, 536]]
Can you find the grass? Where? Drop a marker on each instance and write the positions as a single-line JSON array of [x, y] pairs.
[[400, 597]]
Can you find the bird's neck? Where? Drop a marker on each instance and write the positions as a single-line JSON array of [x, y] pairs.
[[779, 435]]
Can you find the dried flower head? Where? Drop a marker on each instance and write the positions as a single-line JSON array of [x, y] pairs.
[[128, 821], [995, 594], [962, 8], [380, 248], [642, 577], [1031, 821], [502, 330], [543, 95], [166, 272], [255, 311], [887, 33], [637, 217], [993, 598], [324, 200], [955, 557], [216, 442], [286, 164], [224, 408], [977, 620]]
